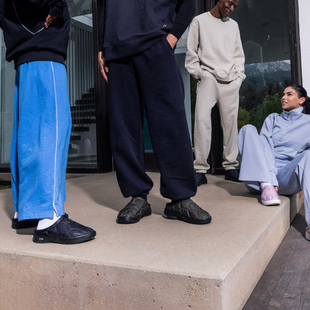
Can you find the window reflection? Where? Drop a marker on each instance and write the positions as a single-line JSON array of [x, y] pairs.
[[265, 37], [7, 82], [80, 64], [80, 71]]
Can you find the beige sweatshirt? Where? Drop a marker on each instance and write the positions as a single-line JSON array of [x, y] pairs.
[[214, 45]]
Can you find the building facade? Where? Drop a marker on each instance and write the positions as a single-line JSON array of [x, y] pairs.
[[276, 45]]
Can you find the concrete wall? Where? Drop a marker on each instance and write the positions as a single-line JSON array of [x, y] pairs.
[[304, 24]]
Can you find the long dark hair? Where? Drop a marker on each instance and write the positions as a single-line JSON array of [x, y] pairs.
[[302, 93]]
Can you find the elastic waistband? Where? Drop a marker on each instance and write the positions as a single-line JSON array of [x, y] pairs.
[[39, 56]]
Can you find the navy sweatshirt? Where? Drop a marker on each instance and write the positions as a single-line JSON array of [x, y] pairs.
[[26, 38], [130, 27]]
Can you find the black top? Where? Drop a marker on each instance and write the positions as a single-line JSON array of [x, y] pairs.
[[25, 36], [130, 27]]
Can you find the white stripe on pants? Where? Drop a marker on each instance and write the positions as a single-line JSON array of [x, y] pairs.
[[40, 139]]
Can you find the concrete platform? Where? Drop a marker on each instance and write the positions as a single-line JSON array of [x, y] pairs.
[[284, 284], [154, 264]]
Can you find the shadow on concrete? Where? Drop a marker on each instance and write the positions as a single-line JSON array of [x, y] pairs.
[[236, 189], [8, 204], [299, 223], [25, 231], [104, 190]]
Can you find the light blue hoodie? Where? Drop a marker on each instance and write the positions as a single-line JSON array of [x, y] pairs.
[[287, 135]]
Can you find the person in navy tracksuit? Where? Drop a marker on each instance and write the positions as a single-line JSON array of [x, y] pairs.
[[137, 41], [36, 34]]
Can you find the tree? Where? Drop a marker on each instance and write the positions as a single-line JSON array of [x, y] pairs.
[[272, 104]]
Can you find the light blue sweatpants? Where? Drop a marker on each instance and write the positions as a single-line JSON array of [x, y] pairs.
[[292, 178], [40, 139]]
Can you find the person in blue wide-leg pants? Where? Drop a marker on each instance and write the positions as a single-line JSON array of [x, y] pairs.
[[40, 140], [36, 35]]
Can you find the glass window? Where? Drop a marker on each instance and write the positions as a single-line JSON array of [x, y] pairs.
[[265, 37], [7, 82], [80, 70]]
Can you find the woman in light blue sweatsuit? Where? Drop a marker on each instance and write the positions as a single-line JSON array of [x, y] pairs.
[[278, 159]]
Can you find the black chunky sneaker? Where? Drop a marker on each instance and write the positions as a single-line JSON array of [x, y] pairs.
[[232, 175], [137, 208], [64, 231], [188, 211], [200, 178]]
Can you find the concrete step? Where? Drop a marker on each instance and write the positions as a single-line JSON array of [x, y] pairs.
[[75, 137], [154, 264]]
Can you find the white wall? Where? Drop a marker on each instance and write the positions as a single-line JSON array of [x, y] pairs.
[[304, 26]]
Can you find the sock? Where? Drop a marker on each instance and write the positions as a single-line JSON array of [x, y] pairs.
[[263, 184], [45, 223], [16, 215]]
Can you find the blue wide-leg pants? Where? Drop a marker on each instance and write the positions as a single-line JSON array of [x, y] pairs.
[[40, 139], [292, 178], [151, 80]]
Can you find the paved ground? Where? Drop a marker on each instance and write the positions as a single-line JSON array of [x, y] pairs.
[[285, 284]]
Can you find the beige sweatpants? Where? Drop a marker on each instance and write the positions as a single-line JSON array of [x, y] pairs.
[[226, 95]]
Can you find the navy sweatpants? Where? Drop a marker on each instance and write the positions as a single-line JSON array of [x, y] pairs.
[[151, 80]]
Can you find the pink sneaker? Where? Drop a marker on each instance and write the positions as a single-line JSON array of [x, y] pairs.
[[270, 196]]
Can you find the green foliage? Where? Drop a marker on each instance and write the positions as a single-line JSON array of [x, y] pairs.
[[260, 102], [272, 104], [243, 117], [251, 96], [4, 187]]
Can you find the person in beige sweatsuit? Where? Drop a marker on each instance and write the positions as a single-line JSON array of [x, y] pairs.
[[215, 57]]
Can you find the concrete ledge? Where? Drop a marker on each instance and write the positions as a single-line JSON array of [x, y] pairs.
[[154, 264]]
